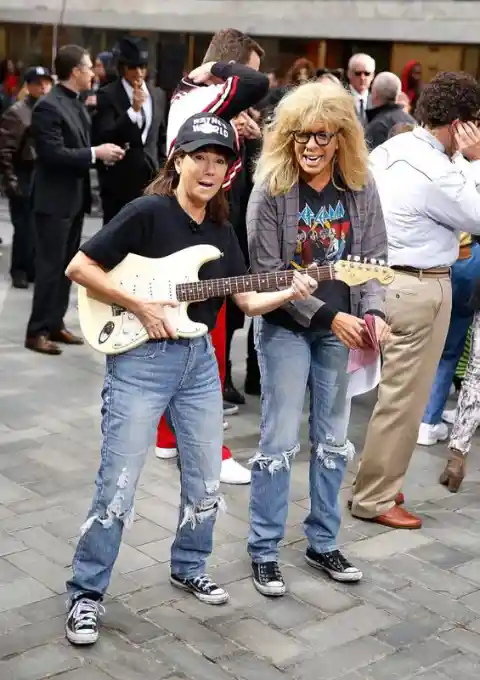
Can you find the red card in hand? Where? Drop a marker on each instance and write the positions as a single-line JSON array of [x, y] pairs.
[[371, 332]]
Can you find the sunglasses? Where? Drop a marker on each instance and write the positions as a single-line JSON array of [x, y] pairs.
[[321, 138], [363, 73]]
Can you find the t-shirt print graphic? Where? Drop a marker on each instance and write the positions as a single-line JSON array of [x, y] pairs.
[[322, 234]]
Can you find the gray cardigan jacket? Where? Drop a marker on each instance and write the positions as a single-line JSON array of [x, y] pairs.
[[272, 239]]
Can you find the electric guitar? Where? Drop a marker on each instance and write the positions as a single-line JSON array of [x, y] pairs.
[[111, 329]]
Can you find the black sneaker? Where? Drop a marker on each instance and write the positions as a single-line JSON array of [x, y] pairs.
[[202, 587], [81, 627], [335, 564], [231, 394], [268, 579], [229, 409]]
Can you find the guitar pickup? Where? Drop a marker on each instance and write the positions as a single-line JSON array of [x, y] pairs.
[[117, 310]]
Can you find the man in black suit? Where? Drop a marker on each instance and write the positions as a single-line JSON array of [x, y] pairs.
[[61, 194], [129, 113]]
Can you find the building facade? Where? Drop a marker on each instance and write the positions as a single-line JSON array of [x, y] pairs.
[[442, 35]]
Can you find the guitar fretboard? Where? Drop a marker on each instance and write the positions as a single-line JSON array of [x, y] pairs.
[[270, 281]]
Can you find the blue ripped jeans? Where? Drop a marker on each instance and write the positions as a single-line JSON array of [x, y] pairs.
[[139, 385], [289, 362]]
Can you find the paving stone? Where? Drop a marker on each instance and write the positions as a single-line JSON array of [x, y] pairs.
[[8, 572], [120, 619], [262, 640], [199, 637], [39, 567], [9, 544], [86, 672], [437, 603], [413, 659], [188, 662], [463, 639], [130, 559], [346, 626], [37, 612], [244, 666], [39, 663], [158, 550], [285, 613], [20, 640], [150, 576], [317, 593], [387, 544], [344, 659], [148, 598], [428, 575], [143, 532], [470, 570], [10, 620], [413, 629], [46, 544], [441, 555], [22, 592], [464, 666]]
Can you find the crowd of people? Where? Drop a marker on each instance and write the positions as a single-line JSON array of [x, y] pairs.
[[284, 179]]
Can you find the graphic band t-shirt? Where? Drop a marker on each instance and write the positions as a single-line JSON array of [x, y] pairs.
[[324, 236]]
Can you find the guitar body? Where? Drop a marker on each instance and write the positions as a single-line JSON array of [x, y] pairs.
[[111, 330]]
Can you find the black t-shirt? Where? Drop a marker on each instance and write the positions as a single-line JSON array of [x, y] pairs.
[[156, 226], [324, 235]]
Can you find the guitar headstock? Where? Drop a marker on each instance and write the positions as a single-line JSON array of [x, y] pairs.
[[354, 272]]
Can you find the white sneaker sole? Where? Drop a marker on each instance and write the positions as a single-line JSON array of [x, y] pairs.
[[206, 599], [269, 591], [81, 638], [343, 577]]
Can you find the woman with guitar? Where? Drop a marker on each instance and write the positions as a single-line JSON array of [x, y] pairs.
[[313, 203], [186, 207]]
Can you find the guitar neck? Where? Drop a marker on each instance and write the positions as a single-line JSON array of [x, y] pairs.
[[265, 282]]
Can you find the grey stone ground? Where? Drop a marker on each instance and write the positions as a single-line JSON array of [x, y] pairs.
[[415, 614]]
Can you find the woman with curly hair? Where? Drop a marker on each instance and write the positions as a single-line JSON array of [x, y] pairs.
[[301, 72], [314, 202]]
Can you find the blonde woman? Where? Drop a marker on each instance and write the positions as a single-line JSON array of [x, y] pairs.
[[314, 202]]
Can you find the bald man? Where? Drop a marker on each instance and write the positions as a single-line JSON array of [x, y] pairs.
[[386, 111], [361, 70]]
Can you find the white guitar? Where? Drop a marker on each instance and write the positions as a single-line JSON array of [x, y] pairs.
[[110, 329]]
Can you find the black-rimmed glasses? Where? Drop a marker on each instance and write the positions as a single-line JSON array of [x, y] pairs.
[[321, 138]]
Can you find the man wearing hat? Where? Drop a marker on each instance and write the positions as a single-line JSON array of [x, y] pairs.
[[17, 156], [130, 114]]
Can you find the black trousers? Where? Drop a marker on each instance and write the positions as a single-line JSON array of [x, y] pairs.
[[22, 257], [57, 240]]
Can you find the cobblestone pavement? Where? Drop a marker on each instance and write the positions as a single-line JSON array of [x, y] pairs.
[[415, 614]]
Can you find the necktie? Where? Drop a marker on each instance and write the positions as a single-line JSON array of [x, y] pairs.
[[144, 119], [362, 111]]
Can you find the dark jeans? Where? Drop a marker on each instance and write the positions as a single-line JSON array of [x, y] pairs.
[[57, 240], [22, 257]]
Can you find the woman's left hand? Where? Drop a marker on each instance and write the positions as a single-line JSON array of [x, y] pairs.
[[382, 329], [302, 286]]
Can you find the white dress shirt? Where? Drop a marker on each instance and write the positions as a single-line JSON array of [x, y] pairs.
[[361, 103], [136, 116], [427, 199]]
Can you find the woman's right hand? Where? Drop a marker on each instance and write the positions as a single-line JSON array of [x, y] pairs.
[[154, 317], [349, 330]]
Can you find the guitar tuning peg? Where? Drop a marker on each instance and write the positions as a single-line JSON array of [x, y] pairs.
[[381, 263], [349, 257], [357, 258], [373, 261]]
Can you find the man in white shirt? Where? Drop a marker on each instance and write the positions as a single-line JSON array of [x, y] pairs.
[[361, 71], [429, 195], [133, 114]]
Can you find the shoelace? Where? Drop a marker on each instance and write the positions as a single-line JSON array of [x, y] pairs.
[[85, 613], [338, 560], [205, 582], [270, 571]]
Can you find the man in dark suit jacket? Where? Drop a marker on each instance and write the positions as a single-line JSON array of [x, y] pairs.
[[61, 194], [129, 113]]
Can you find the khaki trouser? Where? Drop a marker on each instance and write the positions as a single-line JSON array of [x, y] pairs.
[[418, 310]]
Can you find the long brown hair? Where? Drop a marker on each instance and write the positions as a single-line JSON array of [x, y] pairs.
[[167, 181]]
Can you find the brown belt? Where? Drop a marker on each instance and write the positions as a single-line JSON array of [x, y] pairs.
[[465, 252], [433, 272]]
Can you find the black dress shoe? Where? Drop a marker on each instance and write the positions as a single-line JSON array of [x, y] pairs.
[[20, 281]]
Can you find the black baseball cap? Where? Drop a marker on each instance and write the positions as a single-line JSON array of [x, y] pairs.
[[34, 74], [205, 129]]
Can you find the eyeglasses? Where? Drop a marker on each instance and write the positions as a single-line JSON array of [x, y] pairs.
[[363, 73], [321, 138]]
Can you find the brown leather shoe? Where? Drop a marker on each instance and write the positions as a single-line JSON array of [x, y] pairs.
[[454, 472], [43, 345], [399, 500], [398, 518], [66, 337]]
